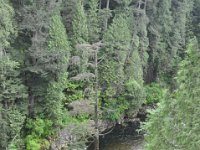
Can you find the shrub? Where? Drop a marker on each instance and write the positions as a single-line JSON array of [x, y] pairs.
[[40, 130], [154, 93]]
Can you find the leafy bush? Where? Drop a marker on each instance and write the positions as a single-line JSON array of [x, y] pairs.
[[83, 117], [40, 130], [114, 108], [154, 93], [73, 92], [134, 94], [67, 119]]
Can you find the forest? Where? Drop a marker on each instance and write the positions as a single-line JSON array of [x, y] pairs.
[[72, 70]]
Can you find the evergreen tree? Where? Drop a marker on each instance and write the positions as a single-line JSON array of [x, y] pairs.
[[134, 90], [159, 30], [139, 24], [170, 127], [120, 86], [6, 25], [93, 21], [196, 19], [58, 44], [12, 91], [117, 41], [79, 24], [67, 12], [12, 102], [104, 15], [41, 65], [127, 39]]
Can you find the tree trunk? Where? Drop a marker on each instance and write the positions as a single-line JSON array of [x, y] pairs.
[[107, 9], [31, 105], [96, 103]]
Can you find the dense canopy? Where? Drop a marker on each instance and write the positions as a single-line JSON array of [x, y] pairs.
[[110, 57]]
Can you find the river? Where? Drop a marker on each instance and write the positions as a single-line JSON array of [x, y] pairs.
[[123, 137], [126, 144]]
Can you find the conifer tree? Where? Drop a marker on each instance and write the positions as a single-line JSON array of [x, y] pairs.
[[180, 11], [139, 30], [160, 28], [134, 90], [79, 24], [196, 19], [68, 11], [117, 41], [114, 70], [140, 38], [93, 21], [12, 91], [170, 127], [41, 65], [58, 43], [104, 15]]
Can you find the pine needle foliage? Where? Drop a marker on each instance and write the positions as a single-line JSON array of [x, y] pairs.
[[174, 125]]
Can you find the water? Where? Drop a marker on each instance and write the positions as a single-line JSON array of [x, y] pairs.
[[126, 144], [122, 138]]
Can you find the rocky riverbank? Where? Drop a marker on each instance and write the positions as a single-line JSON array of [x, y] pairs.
[[124, 130]]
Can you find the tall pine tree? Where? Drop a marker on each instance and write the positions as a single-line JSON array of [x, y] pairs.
[[12, 91], [170, 127]]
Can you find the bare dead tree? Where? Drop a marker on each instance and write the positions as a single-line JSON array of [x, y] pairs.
[[92, 50]]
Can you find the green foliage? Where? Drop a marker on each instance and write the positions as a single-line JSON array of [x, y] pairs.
[[11, 124], [54, 100], [160, 55], [45, 65], [134, 94], [57, 52], [40, 130], [133, 67], [93, 21], [80, 29], [167, 36], [114, 108], [124, 3], [58, 44], [13, 103], [58, 38], [39, 127], [68, 119], [196, 19], [12, 147], [154, 128], [154, 93], [73, 92], [6, 23], [83, 117], [174, 124], [117, 39], [120, 70], [12, 91], [11, 86], [32, 144], [141, 43], [134, 91]]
